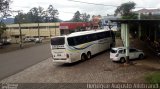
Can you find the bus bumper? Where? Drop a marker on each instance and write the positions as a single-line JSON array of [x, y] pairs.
[[61, 60]]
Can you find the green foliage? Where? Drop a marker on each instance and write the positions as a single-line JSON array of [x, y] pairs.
[[85, 17], [4, 6], [2, 28], [36, 15], [125, 10], [130, 16], [52, 13], [153, 78], [78, 17]]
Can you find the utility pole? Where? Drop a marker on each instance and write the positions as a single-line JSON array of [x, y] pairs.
[[1, 27], [55, 28], [20, 30], [38, 31], [49, 32]]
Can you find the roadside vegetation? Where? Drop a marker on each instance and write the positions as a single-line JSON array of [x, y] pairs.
[[153, 78]]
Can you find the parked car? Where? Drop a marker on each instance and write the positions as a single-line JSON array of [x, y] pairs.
[[27, 40], [1, 45], [118, 54], [38, 40], [5, 41], [8, 41]]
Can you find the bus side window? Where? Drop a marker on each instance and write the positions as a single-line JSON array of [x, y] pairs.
[[94, 37], [71, 41], [91, 37], [84, 39], [100, 35], [81, 39], [77, 41], [106, 34]]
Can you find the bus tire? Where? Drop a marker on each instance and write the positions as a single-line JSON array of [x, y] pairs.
[[83, 57], [89, 55]]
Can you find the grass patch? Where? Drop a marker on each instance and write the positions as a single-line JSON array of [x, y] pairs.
[[153, 78]]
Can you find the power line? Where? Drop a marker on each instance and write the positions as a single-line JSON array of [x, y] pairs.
[[93, 3], [66, 12], [74, 12], [101, 4]]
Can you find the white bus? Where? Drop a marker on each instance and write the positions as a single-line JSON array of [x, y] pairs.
[[80, 45]]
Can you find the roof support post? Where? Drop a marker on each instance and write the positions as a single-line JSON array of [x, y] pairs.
[[123, 33], [55, 29], [127, 42], [38, 31], [20, 36], [139, 33], [155, 34]]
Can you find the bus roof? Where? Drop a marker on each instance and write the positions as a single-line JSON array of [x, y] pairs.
[[86, 32], [82, 33]]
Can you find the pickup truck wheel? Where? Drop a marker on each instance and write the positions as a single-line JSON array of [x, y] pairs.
[[122, 60], [141, 56]]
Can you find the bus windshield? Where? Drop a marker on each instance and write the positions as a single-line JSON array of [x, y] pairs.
[[57, 41]]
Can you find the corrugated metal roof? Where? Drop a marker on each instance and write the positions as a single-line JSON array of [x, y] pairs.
[[151, 21]]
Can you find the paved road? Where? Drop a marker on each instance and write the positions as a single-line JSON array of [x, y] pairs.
[[16, 61]]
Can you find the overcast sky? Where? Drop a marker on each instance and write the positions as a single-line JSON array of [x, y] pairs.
[[65, 6]]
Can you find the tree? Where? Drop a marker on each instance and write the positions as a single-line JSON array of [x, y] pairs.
[[21, 17], [125, 10], [77, 17], [51, 14], [36, 14], [2, 28], [4, 7], [85, 17]]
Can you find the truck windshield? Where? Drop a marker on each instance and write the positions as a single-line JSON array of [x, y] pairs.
[[57, 41], [113, 51]]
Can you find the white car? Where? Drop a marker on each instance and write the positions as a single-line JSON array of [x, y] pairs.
[[118, 54], [38, 40]]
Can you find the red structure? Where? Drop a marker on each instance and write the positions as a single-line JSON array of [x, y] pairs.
[[69, 27]]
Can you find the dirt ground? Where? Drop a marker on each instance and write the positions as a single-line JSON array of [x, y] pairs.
[[99, 69]]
